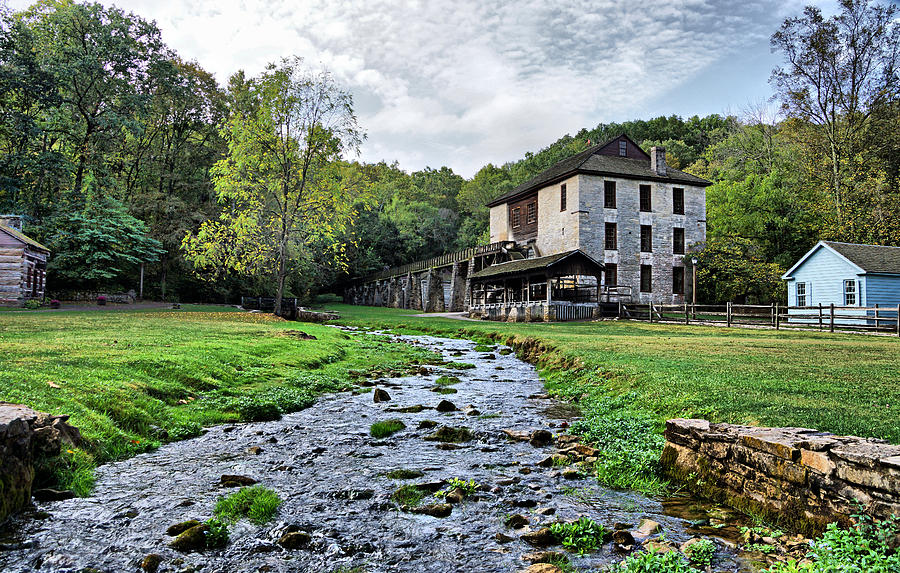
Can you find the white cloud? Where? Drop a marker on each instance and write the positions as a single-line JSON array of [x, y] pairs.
[[477, 81]]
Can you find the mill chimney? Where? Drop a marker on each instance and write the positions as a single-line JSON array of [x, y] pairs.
[[658, 160], [12, 221]]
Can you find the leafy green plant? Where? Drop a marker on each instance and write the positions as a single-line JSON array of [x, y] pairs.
[[257, 503], [32, 304], [72, 469], [404, 474], [185, 430], [460, 365], [582, 535], [408, 495], [654, 562], [468, 487], [701, 552], [217, 534], [253, 410], [761, 547], [386, 428], [447, 381]]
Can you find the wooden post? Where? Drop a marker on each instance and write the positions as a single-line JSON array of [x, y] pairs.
[[821, 326], [831, 319], [773, 314], [650, 311], [728, 313], [622, 314], [898, 320], [877, 324], [141, 291], [777, 318], [687, 316]]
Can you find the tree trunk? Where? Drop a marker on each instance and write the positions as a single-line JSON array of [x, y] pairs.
[[282, 275]]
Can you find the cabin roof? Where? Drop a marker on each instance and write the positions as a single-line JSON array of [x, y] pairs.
[[875, 259], [560, 264], [591, 162], [18, 235]]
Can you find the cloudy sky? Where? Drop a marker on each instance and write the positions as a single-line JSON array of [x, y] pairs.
[[468, 82]]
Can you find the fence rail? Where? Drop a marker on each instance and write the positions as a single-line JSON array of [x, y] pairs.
[[821, 317]]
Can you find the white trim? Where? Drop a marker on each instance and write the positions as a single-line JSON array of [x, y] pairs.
[[787, 276]]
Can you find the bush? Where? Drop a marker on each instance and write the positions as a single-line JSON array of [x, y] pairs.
[[257, 503], [252, 410], [217, 535], [328, 298], [583, 535], [654, 562], [185, 430], [701, 552], [32, 304]]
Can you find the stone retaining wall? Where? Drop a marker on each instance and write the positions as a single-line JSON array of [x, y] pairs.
[[26, 435], [802, 476]]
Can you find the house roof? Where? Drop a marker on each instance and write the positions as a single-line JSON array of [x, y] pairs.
[[591, 162], [16, 234], [558, 264], [874, 259]]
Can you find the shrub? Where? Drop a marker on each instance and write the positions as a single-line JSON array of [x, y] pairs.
[[72, 469], [701, 552], [185, 430], [404, 474], [32, 304], [386, 428], [217, 535], [654, 562], [253, 410], [582, 535], [257, 503]]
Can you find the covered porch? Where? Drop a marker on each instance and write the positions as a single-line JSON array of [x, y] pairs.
[[564, 286]]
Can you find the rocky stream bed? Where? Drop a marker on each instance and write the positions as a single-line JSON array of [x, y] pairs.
[[331, 475]]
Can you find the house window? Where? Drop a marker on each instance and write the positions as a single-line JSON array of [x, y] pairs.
[[609, 194], [623, 148], [646, 278], [611, 274], [677, 280], [678, 240], [646, 239], [531, 213], [645, 198], [516, 217], [850, 292], [678, 201], [611, 237], [562, 197], [801, 294]]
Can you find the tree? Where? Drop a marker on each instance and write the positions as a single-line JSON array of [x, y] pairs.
[[731, 269], [282, 183], [837, 71]]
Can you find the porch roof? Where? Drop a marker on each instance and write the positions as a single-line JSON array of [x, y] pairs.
[[575, 262]]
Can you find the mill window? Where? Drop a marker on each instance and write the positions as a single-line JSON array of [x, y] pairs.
[[611, 274], [623, 148], [646, 239], [678, 201], [562, 197], [609, 194], [646, 278], [645, 198], [611, 237], [677, 280], [678, 240], [531, 213], [516, 218]]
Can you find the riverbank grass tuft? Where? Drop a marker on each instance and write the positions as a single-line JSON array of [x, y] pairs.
[[257, 503], [386, 428]]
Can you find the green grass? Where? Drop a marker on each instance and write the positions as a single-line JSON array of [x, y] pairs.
[[409, 495], [446, 381], [257, 503], [386, 428], [628, 377], [132, 379]]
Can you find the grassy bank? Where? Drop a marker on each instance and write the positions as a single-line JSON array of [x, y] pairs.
[[628, 377], [132, 380]]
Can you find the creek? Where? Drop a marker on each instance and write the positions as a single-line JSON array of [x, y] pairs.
[[331, 475]]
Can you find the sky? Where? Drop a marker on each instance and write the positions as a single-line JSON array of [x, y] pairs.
[[469, 82]]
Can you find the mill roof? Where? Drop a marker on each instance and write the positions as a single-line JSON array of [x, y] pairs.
[[592, 162], [576, 261]]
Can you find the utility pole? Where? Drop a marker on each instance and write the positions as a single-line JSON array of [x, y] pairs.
[[141, 290]]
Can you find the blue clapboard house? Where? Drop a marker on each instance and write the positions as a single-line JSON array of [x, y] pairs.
[[847, 275]]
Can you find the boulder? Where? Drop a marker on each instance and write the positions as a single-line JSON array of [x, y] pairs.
[[151, 562], [193, 539], [295, 540], [179, 528], [228, 480], [445, 406], [434, 510], [542, 568], [540, 438], [380, 395], [516, 521], [543, 537]]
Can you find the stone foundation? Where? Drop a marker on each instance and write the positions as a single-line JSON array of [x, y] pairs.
[[801, 476], [26, 435]]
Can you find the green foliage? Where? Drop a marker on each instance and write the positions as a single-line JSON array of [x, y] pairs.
[[731, 269], [72, 469], [459, 365], [386, 428], [654, 562], [701, 552], [866, 546], [447, 381], [257, 503], [253, 410], [583, 535], [404, 474], [217, 534], [185, 430], [409, 495], [32, 304], [468, 487]]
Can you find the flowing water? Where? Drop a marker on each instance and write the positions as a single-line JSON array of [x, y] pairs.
[[330, 473]]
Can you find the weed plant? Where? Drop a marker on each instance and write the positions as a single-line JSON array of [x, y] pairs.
[[409, 495], [583, 535], [386, 428], [654, 562], [257, 503]]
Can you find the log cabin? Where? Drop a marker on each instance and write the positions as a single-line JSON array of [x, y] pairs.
[[23, 264]]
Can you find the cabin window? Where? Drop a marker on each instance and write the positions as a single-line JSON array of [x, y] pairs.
[[531, 213], [678, 240], [850, 292], [611, 274], [645, 198], [801, 294], [611, 237], [677, 280], [623, 148], [646, 239], [678, 201], [516, 218], [646, 278], [609, 194], [562, 197]]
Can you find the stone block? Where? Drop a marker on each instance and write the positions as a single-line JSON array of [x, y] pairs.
[[817, 461], [773, 442], [865, 452], [887, 480]]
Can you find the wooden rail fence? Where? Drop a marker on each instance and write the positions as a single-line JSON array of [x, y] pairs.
[[821, 317]]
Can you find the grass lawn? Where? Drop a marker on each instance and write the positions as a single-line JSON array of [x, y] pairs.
[[133, 379], [629, 377]]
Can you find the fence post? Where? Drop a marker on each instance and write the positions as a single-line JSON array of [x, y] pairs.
[[650, 311], [621, 314], [898, 320], [831, 319], [821, 326], [777, 318], [728, 314], [687, 317], [773, 314]]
